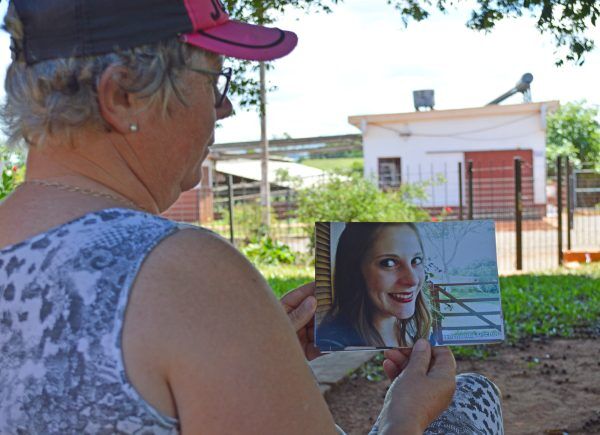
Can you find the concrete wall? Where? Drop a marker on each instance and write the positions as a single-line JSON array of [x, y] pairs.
[[434, 147]]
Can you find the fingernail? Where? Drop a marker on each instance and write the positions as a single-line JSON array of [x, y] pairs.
[[420, 345]]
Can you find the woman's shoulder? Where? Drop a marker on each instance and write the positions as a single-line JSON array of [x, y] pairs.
[[214, 325]]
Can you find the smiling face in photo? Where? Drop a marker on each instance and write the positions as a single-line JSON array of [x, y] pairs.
[[394, 272]]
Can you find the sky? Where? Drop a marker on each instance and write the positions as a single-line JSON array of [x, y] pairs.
[[361, 59]]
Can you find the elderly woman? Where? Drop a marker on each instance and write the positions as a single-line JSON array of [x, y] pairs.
[[114, 320]]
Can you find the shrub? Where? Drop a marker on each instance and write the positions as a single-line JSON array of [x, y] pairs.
[[12, 171], [265, 250], [349, 197]]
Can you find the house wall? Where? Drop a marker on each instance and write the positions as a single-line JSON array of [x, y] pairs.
[[435, 147]]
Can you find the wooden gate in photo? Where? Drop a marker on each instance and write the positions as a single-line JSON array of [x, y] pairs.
[[439, 289]]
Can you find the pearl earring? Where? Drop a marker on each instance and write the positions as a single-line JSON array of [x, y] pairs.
[[133, 128]]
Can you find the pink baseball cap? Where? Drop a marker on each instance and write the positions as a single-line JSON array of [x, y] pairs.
[[214, 31], [65, 28]]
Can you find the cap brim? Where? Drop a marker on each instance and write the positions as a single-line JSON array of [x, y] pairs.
[[244, 41]]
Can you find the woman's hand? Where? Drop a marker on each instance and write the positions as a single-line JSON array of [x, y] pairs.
[[300, 305], [395, 361], [422, 389]]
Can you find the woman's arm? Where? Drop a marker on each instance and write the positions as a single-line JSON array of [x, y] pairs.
[[205, 340], [231, 358]]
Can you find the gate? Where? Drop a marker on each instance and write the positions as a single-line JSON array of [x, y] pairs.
[[481, 318]]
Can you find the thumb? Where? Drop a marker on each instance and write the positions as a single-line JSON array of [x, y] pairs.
[[304, 313], [419, 358]]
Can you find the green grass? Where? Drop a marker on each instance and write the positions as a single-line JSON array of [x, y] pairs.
[[553, 304], [283, 278], [559, 303], [333, 164]]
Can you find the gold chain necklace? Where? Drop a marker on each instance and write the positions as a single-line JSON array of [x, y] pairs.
[[89, 192]]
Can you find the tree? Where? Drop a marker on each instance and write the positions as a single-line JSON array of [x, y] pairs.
[[574, 131], [447, 238], [566, 20]]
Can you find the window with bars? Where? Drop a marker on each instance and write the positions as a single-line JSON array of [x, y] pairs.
[[390, 172]]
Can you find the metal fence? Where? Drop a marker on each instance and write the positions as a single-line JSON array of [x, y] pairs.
[[238, 214], [543, 216]]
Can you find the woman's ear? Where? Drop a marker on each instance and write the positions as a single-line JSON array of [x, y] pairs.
[[117, 106]]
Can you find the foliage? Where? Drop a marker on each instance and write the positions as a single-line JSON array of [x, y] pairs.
[[566, 20], [265, 250], [561, 303], [12, 171], [553, 304], [372, 370], [349, 197], [573, 131]]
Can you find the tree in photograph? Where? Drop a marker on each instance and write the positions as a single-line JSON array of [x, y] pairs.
[[446, 239], [573, 131]]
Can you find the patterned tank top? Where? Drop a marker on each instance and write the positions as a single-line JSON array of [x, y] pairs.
[[63, 295]]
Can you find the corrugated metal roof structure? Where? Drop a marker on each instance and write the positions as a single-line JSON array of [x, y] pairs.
[[279, 172]]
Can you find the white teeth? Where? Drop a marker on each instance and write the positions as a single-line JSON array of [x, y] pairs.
[[401, 297]]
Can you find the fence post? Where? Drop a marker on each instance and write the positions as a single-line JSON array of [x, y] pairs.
[[518, 214], [460, 192], [230, 205], [559, 206], [569, 203], [470, 181]]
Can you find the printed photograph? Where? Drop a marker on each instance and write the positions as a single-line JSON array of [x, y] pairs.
[[385, 285]]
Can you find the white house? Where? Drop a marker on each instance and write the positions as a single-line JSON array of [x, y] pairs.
[[423, 146]]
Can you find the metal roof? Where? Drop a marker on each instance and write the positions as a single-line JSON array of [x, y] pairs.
[[251, 170]]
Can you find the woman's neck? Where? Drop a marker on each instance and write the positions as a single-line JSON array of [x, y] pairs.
[[100, 169]]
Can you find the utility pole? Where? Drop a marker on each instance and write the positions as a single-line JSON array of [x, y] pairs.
[[265, 194]]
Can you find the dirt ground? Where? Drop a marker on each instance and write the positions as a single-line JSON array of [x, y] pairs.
[[548, 386]]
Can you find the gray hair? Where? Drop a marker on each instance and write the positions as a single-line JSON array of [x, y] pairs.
[[60, 95]]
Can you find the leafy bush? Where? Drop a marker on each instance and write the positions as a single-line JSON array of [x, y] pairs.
[[268, 251], [7, 183], [349, 197], [574, 131], [12, 171]]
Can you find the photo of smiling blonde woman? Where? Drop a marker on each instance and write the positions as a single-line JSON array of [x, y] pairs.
[[379, 289]]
